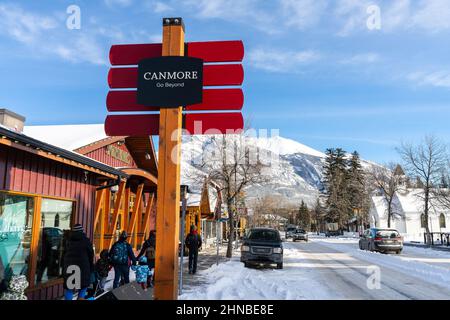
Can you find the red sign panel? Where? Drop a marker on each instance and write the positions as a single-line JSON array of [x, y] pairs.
[[213, 99], [216, 51], [196, 123], [211, 51], [213, 75]]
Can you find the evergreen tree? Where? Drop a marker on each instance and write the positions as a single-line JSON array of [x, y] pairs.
[[318, 214], [304, 217], [356, 186], [335, 182]]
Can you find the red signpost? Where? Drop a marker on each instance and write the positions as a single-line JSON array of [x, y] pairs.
[[211, 51], [213, 99], [170, 120], [213, 75]]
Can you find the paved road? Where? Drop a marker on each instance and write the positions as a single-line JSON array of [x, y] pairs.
[[346, 275]]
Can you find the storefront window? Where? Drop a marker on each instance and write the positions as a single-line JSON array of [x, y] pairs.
[[56, 216], [16, 219]]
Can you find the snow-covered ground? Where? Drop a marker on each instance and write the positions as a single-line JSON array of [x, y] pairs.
[[331, 268]]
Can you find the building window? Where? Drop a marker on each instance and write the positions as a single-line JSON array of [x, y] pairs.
[[442, 223], [423, 221], [16, 220], [52, 238]]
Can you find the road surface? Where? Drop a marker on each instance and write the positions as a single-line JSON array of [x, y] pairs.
[[348, 275], [331, 269]]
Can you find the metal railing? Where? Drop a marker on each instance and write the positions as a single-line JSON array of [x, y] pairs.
[[442, 236]]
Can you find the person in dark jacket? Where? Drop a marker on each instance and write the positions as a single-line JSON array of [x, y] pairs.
[[102, 268], [120, 255], [79, 253], [194, 243], [150, 242]]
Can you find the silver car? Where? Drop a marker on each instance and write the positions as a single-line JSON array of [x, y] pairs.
[[300, 235]]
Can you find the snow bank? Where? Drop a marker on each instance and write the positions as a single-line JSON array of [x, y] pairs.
[[231, 281]]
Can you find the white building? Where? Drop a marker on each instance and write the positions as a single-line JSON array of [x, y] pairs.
[[408, 218]]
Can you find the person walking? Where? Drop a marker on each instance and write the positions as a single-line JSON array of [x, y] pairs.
[[194, 243], [120, 255], [102, 268], [79, 252], [149, 243], [142, 272]]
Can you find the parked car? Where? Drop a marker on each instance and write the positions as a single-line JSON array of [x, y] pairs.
[[262, 246], [300, 234], [290, 231], [381, 240], [332, 233]]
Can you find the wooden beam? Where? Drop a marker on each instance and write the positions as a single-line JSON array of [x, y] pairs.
[[115, 216], [140, 173], [104, 226], [168, 202], [34, 245], [145, 225], [136, 206], [99, 204], [126, 209]]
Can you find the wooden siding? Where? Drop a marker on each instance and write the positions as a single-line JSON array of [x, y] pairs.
[[102, 156], [28, 173]]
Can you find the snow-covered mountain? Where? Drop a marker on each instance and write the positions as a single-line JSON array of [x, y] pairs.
[[295, 175]]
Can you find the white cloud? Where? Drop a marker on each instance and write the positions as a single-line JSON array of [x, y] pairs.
[[249, 12], [302, 14], [23, 26], [161, 7], [83, 49], [433, 15], [396, 15], [118, 3], [282, 61], [48, 35], [434, 78], [351, 15], [363, 58]]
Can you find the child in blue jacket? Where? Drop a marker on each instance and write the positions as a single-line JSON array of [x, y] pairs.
[[142, 272]]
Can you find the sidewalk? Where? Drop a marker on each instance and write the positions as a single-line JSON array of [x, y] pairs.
[[206, 258]]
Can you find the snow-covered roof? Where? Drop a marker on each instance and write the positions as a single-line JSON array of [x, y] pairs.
[[193, 199], [406, 202], [379, 204], [69, 137], [410, 200]]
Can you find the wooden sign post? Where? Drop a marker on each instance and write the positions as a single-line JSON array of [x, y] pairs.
[[168, 201], [198, 69]]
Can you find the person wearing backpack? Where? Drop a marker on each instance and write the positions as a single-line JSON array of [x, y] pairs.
[[120, 254], [193, 242], [150, 242]]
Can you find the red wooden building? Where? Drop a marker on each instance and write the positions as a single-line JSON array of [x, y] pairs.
[[106, 184]]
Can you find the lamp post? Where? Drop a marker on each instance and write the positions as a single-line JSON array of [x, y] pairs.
[[184, 190]]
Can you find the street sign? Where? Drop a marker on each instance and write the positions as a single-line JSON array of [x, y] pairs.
[[170, 81], [194, 124], [186, 68], [213, 75], [213, 99], [211, 51]]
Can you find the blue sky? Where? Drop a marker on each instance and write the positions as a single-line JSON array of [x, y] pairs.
[[313, 69]]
